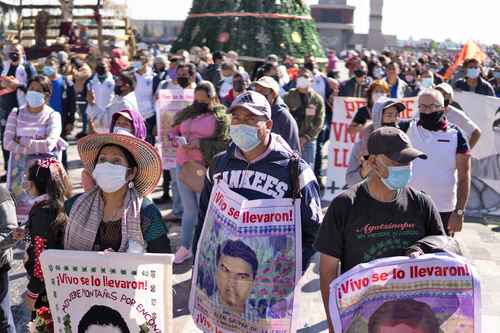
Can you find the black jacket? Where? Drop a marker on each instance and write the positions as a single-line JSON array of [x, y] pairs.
[[483, 87], [284, 124]]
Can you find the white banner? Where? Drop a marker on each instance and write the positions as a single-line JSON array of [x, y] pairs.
[[431, 293], [129, 292], [484, 198], [341, 141], [248, 264]]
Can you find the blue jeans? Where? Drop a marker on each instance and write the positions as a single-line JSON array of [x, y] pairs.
[[81, 102], [190, 204], [6, 319], [309, 153], [177, 208]]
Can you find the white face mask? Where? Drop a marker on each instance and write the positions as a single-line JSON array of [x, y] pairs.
[[110, 177], [377, 96], [35, 99], [303, 83], [122, 130]]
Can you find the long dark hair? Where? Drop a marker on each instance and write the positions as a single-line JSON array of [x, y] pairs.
[[53, 181]]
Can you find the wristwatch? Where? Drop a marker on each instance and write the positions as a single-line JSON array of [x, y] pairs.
[[459, 212]]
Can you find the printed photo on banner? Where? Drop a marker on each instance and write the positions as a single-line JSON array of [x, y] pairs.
[[484, 197], [245, 271], [170, 101], [429, 294], [109, 292], [342, 141]]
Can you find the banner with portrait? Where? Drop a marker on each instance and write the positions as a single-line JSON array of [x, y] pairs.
[[248, 264], [342, 142], [431, 293], [484, 197], [90, 291], [169, 102]]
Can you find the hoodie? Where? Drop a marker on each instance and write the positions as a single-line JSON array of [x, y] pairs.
[[250, 179], [359, 149]]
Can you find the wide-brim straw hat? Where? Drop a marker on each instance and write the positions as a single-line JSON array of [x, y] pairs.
[[149, 167]]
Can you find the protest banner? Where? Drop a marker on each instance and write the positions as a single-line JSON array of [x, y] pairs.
[[432, 293], [484, 197], [130, 292], [247, 265], [341, 141], [169, 102]]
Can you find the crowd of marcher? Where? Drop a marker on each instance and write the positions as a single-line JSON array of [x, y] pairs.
[[259, 122]]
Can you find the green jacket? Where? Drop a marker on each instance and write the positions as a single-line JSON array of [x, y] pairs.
[[210, 146], [310, 116]]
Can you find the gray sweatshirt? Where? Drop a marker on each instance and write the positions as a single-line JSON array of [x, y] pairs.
[[8, 222]]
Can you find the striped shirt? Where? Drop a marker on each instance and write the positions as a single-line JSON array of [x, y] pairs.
[[32, 133]]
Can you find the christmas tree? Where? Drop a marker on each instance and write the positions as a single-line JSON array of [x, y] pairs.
[[253, 28]]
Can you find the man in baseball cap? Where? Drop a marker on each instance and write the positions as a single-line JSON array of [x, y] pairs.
[[381, 216], [283, 122]]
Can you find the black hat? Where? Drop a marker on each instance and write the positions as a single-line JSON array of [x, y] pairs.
[[393, 143]]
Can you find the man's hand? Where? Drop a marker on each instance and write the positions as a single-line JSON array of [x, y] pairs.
[[455, 223], [90, 97], [11, 82], [303, 141]]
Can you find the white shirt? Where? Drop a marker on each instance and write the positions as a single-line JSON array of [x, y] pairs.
[[437, 175], [462, 120], [104, 91], [102, 120], [144, 93]]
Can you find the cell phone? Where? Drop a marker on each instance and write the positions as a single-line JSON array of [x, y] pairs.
[[181, 140]]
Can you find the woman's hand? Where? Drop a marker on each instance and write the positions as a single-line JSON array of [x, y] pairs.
[[29, 301], [18, 234]]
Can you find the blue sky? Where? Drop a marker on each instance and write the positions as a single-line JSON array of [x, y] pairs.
[[438, 19]]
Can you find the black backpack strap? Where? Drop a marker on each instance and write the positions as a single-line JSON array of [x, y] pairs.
[[294, 169], [29, 72]]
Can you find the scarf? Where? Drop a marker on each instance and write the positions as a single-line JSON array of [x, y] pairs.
[[86, 216]]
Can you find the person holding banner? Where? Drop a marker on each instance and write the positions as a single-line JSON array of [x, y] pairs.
[[379, 217], [458, 117], [114, 215], [200, 132], [259, 214], [445, 175]]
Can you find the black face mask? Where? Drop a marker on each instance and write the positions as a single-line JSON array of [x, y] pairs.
[[77, 63], [309, 66], [14, 56], [159, 70], [200, 107], [389, 125], [100, 70], [359, 73], [446, 102], [238, 86], [183, 81], [433, 121], [118, 90]]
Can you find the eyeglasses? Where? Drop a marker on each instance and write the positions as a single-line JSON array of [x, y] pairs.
[[430, 107]]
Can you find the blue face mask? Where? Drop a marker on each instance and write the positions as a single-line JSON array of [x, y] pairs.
[[48, 71], [398, 178], [244, 136], [427, 82], [472, 73]]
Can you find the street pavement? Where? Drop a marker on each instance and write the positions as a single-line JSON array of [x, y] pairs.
[[480, 242]]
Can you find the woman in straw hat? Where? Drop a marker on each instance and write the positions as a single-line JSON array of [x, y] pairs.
[[115, 215]]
